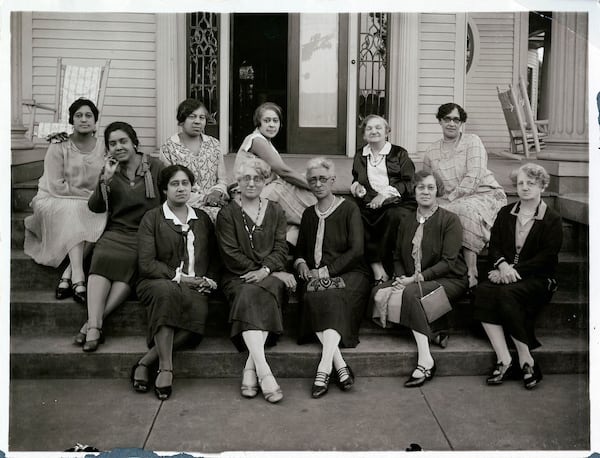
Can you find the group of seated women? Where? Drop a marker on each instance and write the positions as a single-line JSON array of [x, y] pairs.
[[172, 230]]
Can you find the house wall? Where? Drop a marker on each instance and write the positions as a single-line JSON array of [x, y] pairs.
[[437, 77], [129, 40], [496, 37]]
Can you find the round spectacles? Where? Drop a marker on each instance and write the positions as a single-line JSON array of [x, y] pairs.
[[321, 179], [448, 119], [255, 178]]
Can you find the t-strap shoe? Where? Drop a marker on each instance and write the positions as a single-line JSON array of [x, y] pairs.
[[414, 382]]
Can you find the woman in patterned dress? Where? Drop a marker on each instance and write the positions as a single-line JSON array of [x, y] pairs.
[[61, 223], [285, 185], [201, 154], [470, 189]]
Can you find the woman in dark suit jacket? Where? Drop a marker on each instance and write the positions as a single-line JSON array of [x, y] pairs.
[[524, 245], [382, 186], [177, 264]]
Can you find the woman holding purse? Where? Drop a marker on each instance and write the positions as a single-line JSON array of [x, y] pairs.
[[427, 255], [330, 261]]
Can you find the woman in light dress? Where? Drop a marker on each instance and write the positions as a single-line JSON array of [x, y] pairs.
[[62, 224], [200, 153], [470, 189]]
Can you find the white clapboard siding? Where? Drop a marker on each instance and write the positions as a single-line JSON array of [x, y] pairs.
[[437, 44], [492, 66], [127, 39]]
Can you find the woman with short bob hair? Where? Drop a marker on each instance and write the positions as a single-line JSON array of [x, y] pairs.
[[382, 176], [127, 188], [428, 251], [200, 153], [471, 191], [523, 254], [62, 224], [336, 279], [285, 185], [251, 234], [178, 264]]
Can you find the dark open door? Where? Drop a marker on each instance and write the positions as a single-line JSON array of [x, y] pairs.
[[317, 69]]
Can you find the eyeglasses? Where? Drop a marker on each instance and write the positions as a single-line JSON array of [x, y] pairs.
[[256, 178], [447, 119], [313, 180], [422, 187]]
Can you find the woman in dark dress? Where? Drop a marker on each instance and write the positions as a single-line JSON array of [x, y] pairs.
[[428, 250], [382, 186], [251, 232], [525, 240], [177, 268], [126, 189], [330, 247]]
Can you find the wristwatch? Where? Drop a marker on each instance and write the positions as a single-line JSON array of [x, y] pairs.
[[266, 268]]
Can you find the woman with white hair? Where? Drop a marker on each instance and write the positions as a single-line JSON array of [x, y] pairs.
[[330, 261], [523, 252], [251, 235]]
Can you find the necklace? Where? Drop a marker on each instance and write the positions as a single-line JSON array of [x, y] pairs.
[[249, 231], [375, 162], [319, 212]]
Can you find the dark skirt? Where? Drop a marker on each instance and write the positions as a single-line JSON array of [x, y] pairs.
[[412, 314], [339, 309], [172, 304], [255, 306], [115, 256], [381, 228], [513, 306]]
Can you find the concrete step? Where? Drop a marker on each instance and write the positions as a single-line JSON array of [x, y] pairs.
[[573, 269], [39, 313], [22, 193], [57, 357]]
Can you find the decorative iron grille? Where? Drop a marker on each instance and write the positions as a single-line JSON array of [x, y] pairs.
[[203, 60], [372, 65]]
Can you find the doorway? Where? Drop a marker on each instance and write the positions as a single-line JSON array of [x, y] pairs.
[[259, 71]]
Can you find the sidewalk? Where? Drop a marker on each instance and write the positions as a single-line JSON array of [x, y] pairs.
[[209, 416]]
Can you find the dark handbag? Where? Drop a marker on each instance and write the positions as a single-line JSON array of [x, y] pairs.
[[322, 284], [435, 304]]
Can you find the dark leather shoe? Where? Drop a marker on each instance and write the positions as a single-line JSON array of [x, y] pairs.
[[163, 392], [441, 339], [139, 384], [531, 375], [501, 373], [348, 382], [80, 296], [92, 345], [414, 382], [63, 293], [320, 390]]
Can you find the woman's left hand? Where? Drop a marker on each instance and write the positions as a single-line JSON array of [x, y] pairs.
[[255, 276], [287, 278], [377, 201], [403, 281]]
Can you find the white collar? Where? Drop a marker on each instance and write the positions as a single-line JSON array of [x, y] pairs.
[[384, 151], [170, 215]]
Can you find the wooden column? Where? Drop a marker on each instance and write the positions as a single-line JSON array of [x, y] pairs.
[[17, 129], [566, 97], [403, 79], [169, 77]]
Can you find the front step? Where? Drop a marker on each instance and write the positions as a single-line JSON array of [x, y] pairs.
[[386, 356], [39, 313]]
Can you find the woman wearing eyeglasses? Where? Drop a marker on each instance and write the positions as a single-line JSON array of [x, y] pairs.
[[382, 186], [284, 185], [251, 234], [428, 250], [330, 261], [470, 189]]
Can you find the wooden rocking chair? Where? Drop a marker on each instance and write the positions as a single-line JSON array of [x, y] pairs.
[[525, 132], [72, 82]]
